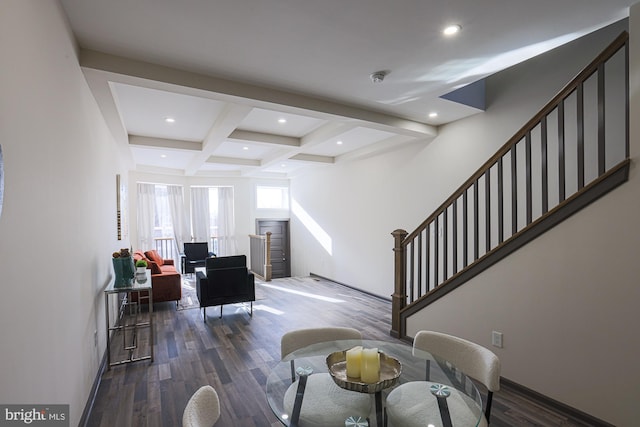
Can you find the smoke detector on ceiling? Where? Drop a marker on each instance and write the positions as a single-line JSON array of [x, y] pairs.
[[378, 76]]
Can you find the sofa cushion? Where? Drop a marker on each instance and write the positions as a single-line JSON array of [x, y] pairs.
[[165, 280], [155, 268], [154, 256], [168, 269]]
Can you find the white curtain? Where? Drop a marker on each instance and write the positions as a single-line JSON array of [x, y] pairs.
[[226, 223], [178, 218], [200, 214], [146, 216]]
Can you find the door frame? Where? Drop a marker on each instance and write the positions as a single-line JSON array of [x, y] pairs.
[[287, 222]]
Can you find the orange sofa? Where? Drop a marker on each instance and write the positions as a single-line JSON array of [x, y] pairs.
[[165, 279]]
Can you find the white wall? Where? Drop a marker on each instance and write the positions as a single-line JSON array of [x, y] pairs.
[[58, 223], [566, 303]]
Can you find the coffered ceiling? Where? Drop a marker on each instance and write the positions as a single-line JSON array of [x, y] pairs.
[[271, 87]]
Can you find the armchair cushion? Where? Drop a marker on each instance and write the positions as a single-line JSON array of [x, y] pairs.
[[239, 261], [196, 251]]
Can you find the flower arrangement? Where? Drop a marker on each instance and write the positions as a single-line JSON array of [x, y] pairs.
[[123, 267], [122, 253]]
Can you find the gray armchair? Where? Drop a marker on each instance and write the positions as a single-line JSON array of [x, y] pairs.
[[227, 281]]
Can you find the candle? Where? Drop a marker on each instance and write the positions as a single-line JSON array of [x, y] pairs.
[[354, 357], [370, 369]]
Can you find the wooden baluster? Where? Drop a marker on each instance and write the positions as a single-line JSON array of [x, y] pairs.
[[528, 192], [601, 123], [545, 172], [487, 210], [500, 201], [580, 114]]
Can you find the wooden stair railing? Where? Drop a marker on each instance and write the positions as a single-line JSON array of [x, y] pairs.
[[260, 259], [581, 141]]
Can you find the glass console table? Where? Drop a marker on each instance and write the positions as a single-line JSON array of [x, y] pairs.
[[131, 327]]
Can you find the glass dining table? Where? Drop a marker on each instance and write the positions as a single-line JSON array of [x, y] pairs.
[[444, 380]]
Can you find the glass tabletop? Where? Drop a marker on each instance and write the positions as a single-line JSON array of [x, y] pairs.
[[140, 282], [443, 378]]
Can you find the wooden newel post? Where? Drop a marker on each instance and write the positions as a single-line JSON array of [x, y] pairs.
[[399, 298], [267, 260]]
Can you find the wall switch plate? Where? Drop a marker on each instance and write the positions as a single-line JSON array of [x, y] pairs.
[[496, 339]]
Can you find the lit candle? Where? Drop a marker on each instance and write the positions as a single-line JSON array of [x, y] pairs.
[[370, 370], [354, 357]]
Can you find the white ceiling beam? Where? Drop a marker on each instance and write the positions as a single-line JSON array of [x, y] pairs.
[[177, 144], [159, 170], [264, 138], [380, 147], [225, 124], [326, 132], [313, 158], [277, 156], [91, 59], [233, 161], [101, 90], [318, 136]]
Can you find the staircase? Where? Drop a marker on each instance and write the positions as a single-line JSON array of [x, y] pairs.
[[575, 150]]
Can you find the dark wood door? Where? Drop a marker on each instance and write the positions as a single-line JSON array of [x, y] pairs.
[[280, 257]]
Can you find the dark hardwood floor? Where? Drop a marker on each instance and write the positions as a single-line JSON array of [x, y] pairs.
[[235, 354]]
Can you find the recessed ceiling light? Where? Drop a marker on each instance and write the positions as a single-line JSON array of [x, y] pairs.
[[282, 120], [434, 114], [245, 148], [164, 156], [283, 165], [451, 30], [339, 142], [169, 120]]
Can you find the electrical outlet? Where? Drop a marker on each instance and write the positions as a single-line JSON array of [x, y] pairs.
[[496, 339]]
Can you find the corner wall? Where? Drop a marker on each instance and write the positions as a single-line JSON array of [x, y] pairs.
[[58, 223]]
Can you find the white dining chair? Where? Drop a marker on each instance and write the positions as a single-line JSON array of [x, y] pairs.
[[409, 404], [203, 408], [324, 403]]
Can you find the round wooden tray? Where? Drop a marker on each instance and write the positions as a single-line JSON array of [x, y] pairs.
[[390, 369]]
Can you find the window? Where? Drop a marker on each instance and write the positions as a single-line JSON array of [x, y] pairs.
[[212, 218], [272, 197], [163, 224], [158, 218]]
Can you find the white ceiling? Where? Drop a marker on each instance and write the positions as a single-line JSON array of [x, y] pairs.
[[228, 70]]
